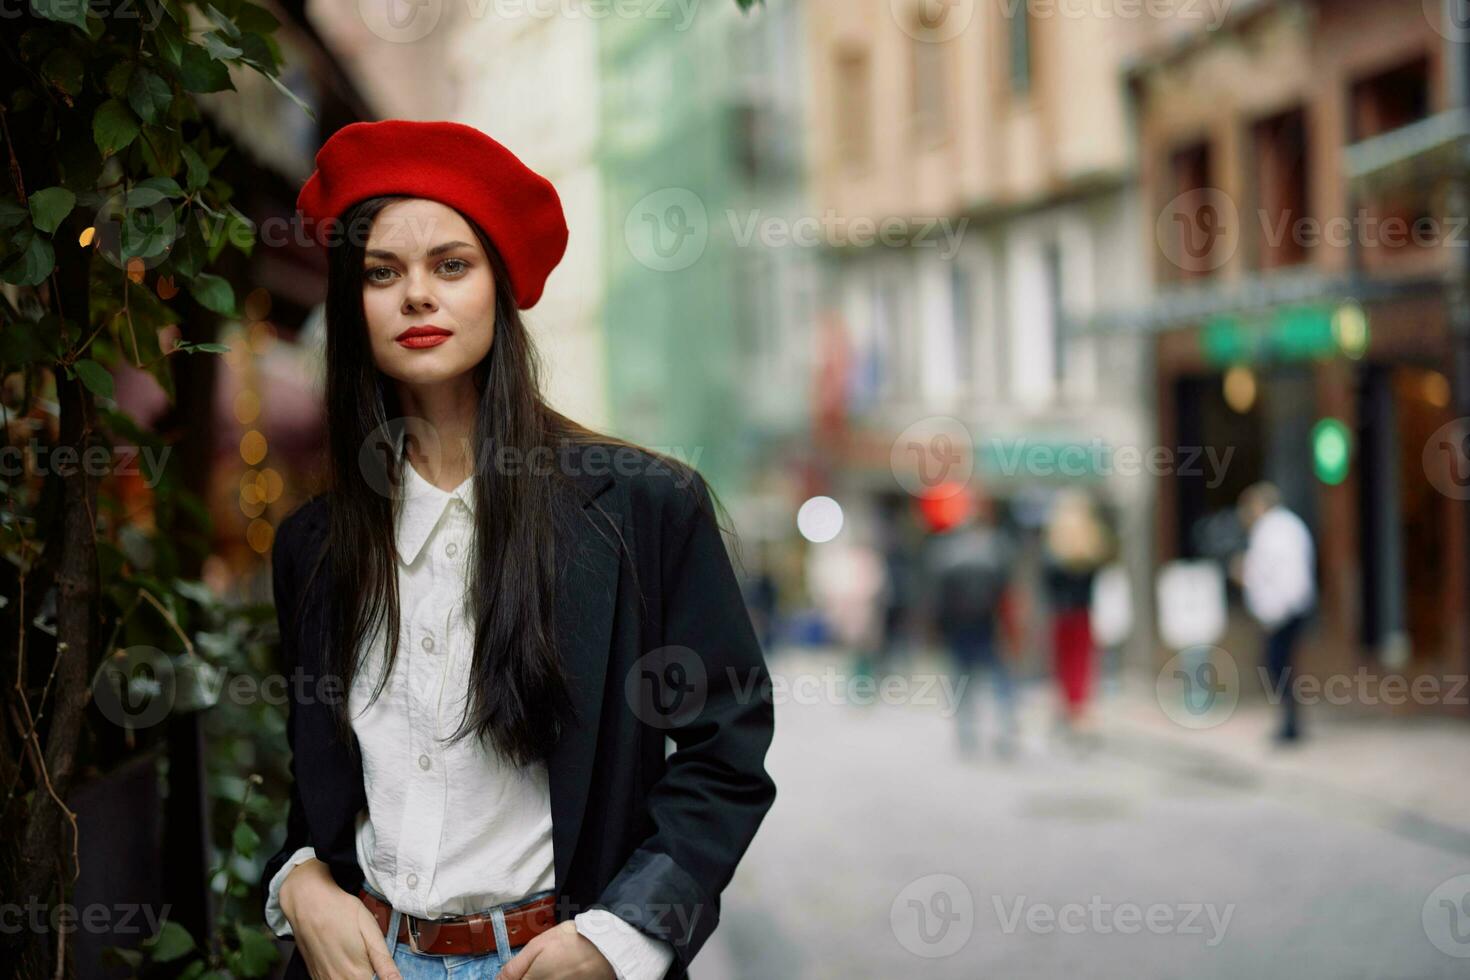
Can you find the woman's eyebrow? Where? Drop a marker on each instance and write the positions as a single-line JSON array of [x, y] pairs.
[[378, 253]]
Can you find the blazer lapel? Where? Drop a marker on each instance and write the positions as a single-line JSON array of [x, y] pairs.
[[588, 567]]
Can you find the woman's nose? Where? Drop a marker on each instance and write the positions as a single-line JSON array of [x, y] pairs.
[[418, 298]]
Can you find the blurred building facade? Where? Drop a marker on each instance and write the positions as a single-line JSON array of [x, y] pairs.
[[998, 141], [1296, 320], [704, 324]]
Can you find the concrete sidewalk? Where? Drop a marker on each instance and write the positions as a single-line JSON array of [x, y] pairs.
[[1406, 773]]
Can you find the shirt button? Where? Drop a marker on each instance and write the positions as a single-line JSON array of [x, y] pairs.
[[423, 762], [451, 549], [412, 881], [427, 643]]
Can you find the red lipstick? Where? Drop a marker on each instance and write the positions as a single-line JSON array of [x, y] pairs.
[[423, 335]]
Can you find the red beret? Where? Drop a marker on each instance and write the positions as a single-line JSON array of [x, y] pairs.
[[455, 165]]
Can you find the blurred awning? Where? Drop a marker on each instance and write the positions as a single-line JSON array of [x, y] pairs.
[[1431, 149], [1252, 295]]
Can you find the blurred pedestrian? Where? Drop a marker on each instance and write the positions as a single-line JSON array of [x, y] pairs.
[[1278, 576], [847, 582], [969, 571], [1076, 546]]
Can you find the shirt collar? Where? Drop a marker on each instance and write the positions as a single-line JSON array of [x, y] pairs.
[[422, 507]]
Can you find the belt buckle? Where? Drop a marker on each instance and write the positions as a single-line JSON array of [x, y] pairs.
[[413, 934]]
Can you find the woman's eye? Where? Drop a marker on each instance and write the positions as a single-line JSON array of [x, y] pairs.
[[454, 266], [373, 274]]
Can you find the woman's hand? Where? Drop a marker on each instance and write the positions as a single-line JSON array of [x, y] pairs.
[[559, 953], [337, 935]]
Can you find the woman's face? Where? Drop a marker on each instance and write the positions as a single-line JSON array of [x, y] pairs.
[[427, 293]]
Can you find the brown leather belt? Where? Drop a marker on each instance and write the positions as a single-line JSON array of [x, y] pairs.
[[458, 935]]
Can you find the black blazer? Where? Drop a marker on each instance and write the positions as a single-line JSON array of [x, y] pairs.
[[658, 642]]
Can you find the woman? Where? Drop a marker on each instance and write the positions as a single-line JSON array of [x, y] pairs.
[[1077, 545], [518, 610]]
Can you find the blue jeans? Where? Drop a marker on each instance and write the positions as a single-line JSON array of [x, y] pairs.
[[465, 966], [975, 654]]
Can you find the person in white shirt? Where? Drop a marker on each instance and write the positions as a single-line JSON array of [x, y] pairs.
[[523, 613], [1278, 578]]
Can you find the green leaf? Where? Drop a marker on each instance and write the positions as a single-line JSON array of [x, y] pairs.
[[187, 255], [119, 77], [189, 348], [172, 942], [166, 186], [257, 951], [149, 95], [24, 342], [146, 232], [251, 17], [292, 96], [113, 127], [219, 48], [213, 293], [239, 229], [12, 214], [32, 265], [256, 50], [221, 21], [246, 839], [170, 41], [73, 12], [50, 207], [200, 73], [63, 69], [198, 174], [95, 377]]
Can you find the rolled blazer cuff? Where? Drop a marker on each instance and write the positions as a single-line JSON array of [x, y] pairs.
[[660, 898]]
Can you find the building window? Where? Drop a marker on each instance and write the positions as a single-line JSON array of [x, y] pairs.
[[1379, 104], [927, 91], [1390, 100], [963, 324], [854, 107], [1053, 260], [1189, 250], [1020, 47], [1281, 174]]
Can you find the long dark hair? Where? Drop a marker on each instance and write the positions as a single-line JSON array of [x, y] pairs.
[[518, 697]]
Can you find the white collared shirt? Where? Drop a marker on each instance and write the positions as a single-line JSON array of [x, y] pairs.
[[1279, 578], [450, 829]]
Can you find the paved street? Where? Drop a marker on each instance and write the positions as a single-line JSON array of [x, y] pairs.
[[888, 855]]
